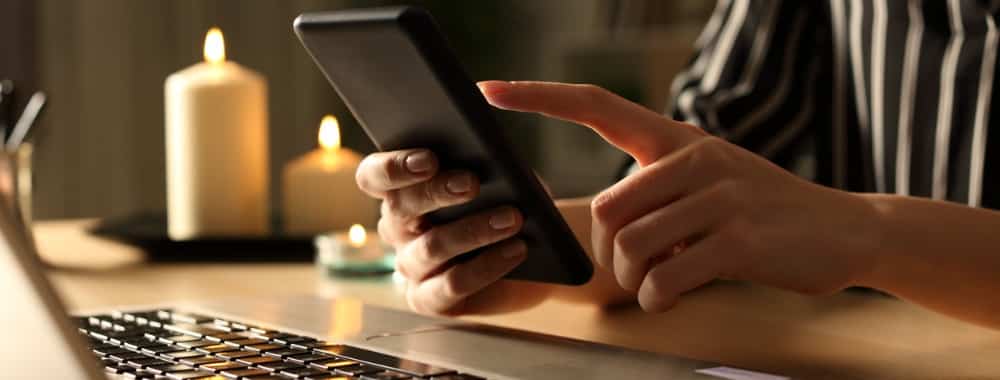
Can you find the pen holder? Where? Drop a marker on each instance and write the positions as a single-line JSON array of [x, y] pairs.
[[16, 180]]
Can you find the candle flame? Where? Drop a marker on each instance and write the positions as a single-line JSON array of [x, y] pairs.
[[215, 46], [357, 235], [329, 133]]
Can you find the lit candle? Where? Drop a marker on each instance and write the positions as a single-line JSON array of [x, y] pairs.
[[318, 190], [353, 253], [217, 149]]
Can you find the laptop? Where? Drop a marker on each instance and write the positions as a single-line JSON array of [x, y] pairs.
[[289, 338]]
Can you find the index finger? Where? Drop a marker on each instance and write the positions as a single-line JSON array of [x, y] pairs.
[[382, 172], [640, 132]]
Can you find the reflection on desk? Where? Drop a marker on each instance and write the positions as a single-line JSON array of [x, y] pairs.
[[863, 334]]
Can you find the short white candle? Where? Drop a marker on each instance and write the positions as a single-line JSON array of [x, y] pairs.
[[217, 148], [318, 189]]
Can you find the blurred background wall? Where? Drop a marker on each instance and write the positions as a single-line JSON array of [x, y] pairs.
[[100, 149]]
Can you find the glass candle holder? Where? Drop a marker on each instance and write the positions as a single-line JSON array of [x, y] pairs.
[[353, 254]]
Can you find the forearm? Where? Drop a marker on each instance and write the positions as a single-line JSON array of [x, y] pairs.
[[941, 255]]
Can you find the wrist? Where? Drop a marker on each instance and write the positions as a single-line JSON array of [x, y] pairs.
[[881, 233]]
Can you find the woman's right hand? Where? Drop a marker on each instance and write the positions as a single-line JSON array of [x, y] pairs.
[[410, 185]]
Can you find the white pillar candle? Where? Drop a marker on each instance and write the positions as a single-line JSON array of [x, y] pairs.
[[217, 149], [318, 189]]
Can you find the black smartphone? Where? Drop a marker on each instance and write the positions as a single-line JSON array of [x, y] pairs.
[[395, 71]]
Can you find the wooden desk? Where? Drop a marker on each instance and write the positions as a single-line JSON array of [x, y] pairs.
[[855, 334]]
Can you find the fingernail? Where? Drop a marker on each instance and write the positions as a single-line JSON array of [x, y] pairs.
[[459, 184], [419, 162], [503, 220], [494, 85]]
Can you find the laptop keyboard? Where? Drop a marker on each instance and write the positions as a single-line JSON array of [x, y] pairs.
[[168, 344]]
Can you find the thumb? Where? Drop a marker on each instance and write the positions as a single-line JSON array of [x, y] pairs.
[[643, 134]]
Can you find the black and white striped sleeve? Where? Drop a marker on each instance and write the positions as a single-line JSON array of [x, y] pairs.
[[753, 78]]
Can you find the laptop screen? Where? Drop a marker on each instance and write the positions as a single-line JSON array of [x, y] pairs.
[[45, 347]]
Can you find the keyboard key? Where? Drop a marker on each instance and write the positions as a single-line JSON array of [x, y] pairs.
[[264, 347], [329, 377], [278, 366], [197, 361], [196, 374], [190, 318], [386, 375], [161, 349], [147, 362], [223, 336], [332, 364], [259, 330], [218, 367], [308, 358], [108, 350], [311, 345], [246, 342], [456, 376], [91, 341], [141, 374], [143, 317], [216, 348], [179, 339], [407, 366], [126, 356], [99, 335], [271, 335], [122, 369], [163, 314], [357, 370], [267, 377], [194, 330], [302, 372], [96, 320], [293, 339], [233, 355], [284, 353], [171, 368], [197, 343], [251, 360], [238, 326], [222, 327], [137, 344], [246, 372], [181, 355]]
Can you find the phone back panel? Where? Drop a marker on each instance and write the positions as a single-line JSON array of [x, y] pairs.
[[395, 72]]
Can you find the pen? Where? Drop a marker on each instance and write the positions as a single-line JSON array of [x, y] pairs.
[[20, 132]]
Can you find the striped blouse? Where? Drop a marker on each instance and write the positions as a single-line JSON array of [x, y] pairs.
[[896, 94]]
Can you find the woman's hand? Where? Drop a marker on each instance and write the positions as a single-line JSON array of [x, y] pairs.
[[409, 184], [701, 208]]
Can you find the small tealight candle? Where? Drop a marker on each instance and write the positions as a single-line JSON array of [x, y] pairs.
[[352, 253]]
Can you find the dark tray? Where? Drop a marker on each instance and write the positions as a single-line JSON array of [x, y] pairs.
[[148, 231]]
